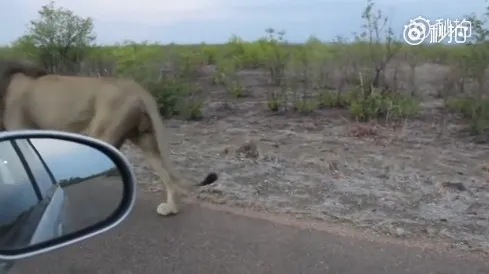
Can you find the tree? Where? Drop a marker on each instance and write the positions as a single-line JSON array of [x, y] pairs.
[[59, 39]]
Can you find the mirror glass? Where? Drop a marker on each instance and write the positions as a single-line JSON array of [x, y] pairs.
[[52, 187]]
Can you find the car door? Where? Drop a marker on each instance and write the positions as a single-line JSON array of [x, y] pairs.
[[51, 223], [40, 171], [21, 203]]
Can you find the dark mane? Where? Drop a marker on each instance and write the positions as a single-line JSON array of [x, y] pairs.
[[10, 67]]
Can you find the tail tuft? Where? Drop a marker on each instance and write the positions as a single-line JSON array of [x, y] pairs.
[[209, 179]]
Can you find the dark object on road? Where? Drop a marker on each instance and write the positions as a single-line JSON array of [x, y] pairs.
[[211, 178], [49, 181]]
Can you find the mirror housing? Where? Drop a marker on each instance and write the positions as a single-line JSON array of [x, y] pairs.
[[120, 167]]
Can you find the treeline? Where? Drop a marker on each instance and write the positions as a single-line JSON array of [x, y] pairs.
[[74, 180], [361, 74]]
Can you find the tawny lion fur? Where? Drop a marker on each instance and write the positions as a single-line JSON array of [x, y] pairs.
[[110, 109]]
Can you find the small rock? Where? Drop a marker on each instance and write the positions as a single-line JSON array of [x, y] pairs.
[[431, 231], [476, 208], [333, 166], [248, 150], [484, 168], [400, 232], [453, 186]]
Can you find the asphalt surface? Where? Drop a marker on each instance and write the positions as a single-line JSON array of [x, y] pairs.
[[206, 239], [92, 200]]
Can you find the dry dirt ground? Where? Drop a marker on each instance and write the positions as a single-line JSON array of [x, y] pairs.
[[425, 179]]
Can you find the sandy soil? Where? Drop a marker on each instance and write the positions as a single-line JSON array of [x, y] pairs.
[[425, 178]]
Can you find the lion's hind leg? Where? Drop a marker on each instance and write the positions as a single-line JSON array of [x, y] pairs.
[[147, 143]]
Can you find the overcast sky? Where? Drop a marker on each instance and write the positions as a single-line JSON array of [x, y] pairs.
[[69, 159], [194, 21]]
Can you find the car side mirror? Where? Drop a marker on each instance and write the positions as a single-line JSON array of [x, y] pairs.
[[59, 188]]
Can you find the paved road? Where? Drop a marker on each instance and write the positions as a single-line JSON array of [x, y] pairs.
[[205, 240], [93, 200]]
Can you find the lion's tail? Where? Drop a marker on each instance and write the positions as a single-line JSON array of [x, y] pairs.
[[160, 132]]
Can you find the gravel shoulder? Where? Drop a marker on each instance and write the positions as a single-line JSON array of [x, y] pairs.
[[421, 179]]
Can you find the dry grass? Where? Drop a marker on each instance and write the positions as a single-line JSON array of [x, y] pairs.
[[421, 177]]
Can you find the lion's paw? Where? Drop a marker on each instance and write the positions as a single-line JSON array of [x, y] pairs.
[[166, 209]]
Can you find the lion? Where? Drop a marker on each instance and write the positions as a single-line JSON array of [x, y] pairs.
[[109, 109]]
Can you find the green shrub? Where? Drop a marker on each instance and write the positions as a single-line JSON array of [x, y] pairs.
[[169, 93], [476, 111], [331, 99], [305, 106], [382, 105]]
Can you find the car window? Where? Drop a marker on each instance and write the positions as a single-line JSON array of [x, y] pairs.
[[17, 192], [39, 171]]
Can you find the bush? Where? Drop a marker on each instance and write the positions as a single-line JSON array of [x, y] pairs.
[[476, 111], [174, 98], [300, 76], [382, 105], [333, 99]]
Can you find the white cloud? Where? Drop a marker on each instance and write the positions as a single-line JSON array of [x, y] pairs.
[[141, 11]]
